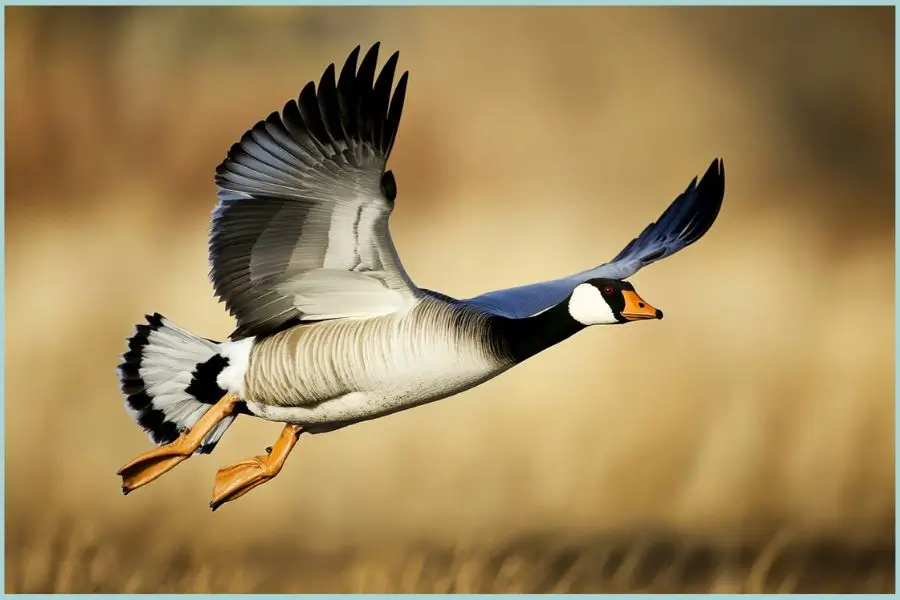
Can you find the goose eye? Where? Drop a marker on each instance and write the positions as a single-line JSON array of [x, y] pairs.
[[608, 290]]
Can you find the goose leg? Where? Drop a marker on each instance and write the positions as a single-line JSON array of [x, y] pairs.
[[234, 481], [147, 467]]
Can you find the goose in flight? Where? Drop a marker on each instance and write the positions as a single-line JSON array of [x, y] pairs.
[[331, 330]]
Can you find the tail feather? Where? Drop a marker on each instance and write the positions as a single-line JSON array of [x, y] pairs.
[[169, 377]]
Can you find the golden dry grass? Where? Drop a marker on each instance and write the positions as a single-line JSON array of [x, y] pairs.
[[66, 556], [746, 443]]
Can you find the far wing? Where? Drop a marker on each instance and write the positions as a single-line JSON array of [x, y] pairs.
[[684, 222]]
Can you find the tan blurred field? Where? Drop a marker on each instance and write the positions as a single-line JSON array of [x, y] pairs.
[[746, 443]]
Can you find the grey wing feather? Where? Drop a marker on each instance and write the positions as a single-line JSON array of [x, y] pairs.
[[300, 232], [684, 222]]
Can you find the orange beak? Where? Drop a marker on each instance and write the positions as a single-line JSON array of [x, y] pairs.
[[636, 309]]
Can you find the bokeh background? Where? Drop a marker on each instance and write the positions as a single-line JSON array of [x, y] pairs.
[[743, 444]]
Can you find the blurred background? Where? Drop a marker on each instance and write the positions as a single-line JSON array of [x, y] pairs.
[[743, 444]]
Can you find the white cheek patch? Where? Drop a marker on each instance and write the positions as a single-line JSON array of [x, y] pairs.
[[588, 306]]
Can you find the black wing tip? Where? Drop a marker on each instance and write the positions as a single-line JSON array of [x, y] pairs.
[[710, 192], [355, 83], [713, 181], [351, 89], [391, 63], [394, 57], [715, 171], [328, 76], [373, 50], [687, 218]]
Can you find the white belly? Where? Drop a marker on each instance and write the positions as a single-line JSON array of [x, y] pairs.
[[336, 373], [357, 406]]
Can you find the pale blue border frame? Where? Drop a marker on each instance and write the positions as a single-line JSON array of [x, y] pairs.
[[456, 3], [3, 305], [428, 3]]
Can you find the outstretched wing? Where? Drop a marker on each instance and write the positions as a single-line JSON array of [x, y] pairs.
[[300, 232], [684, 222]]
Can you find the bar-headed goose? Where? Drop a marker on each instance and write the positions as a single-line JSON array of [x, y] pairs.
[[330, 329]]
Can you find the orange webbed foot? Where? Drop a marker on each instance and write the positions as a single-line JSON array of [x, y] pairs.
[[147, 467], [235, 480]]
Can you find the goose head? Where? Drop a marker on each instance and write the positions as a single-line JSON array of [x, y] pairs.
[[594, 302], [609, 302]]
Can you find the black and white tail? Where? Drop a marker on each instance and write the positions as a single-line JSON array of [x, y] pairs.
[[169, 377]]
